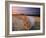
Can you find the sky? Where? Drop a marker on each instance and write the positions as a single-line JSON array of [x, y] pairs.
[[26, 10]]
